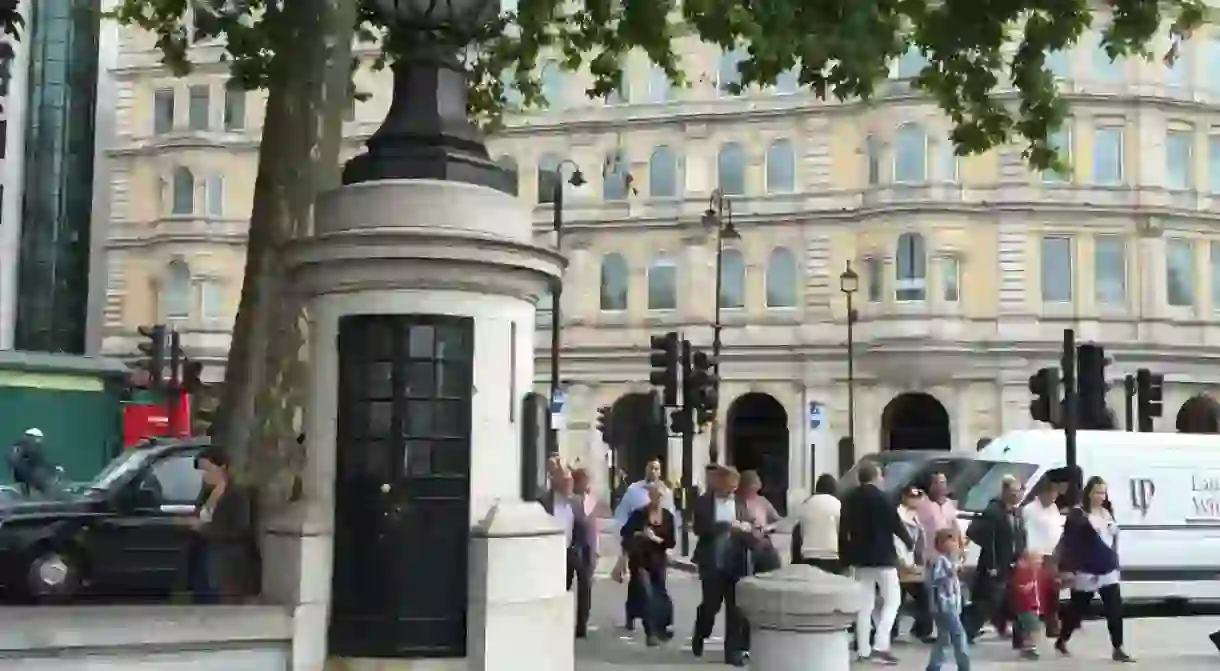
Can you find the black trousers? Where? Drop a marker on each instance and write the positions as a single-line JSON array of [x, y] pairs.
[[989, 603], [916, 595], [827, 565], [1078, 607], [657, 609], [720, 589], [580, 571]]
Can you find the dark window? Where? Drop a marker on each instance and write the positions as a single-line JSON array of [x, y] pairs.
[[3, 136]]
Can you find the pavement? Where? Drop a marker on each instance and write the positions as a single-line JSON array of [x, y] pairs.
[[1158, 644]]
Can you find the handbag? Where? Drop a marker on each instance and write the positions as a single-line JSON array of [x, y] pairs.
[[763, 557]]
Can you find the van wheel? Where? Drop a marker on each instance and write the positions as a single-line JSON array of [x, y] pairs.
[[53, 575]]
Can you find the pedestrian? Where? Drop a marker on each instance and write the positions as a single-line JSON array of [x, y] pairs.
[[1089, 551], [1027, 601], [578, 530], [227, 549], [647, 537], [815, 538], [945, 589], [721, 521], [867, 528], [762, 555], [1043, 529], [911, 566], [28, 462], [999, 532], [636, 496], [936, 511]]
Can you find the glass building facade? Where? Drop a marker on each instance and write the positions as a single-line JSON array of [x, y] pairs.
[[53, 274]]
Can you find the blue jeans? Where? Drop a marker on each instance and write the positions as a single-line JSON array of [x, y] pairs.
[[949, 634]]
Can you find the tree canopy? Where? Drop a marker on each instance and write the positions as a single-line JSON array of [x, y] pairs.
[[985, 59]]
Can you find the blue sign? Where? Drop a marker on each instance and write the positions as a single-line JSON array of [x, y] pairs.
[[816, 415], [559, 400]]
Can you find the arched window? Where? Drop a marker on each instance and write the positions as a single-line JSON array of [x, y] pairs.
[[614, 282], [663, 173], [732, 279], [911, 63], [178, 290], [616, 178], [911, 268], [184, 191], [911, 154], [781, 278], [781, 167], [950, 165], [727, 74], [662, 284], [872, 160], [731, 169], [548, 177]]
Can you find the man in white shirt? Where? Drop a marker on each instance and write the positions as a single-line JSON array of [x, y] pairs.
[[1043, 528]]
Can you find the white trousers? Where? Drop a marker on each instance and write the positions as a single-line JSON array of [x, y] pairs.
[[873, 580]]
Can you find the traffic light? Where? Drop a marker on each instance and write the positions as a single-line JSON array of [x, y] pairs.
[[702, 387], [680, 422], [1091, 365], [192, 377], [153, 349], [664, 361], [1044, 385], [603, 423], [1150, 390]]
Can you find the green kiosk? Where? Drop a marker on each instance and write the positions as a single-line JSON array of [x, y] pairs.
[[75, 400]]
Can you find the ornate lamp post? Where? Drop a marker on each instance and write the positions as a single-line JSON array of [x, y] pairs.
[[427, 133], [849, 284], [577, 179], [719, 215]]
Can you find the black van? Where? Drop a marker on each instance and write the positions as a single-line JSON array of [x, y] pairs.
[[124, 533]]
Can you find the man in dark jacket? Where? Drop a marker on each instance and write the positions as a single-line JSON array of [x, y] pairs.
[[720, 555], [1000, 534], [868, 526]]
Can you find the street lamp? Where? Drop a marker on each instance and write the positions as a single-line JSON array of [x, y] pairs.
[[426, 133], [849, 284], [577, 179], [719, 215]]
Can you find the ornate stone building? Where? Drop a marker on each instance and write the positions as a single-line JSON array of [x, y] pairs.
[[969, 268]]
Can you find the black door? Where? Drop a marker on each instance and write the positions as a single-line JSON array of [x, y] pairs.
[[144, 546], [402, 490]]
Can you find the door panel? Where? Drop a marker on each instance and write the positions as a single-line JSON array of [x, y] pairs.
[[402, 496]]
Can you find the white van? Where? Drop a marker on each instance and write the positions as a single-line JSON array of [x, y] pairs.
[[1165, 489]]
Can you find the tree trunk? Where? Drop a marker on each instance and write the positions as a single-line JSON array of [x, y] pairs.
[[261, 409]]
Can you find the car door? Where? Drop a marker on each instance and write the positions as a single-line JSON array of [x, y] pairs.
[[150, 539]]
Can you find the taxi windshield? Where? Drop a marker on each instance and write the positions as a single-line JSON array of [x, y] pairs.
[[118, 469]]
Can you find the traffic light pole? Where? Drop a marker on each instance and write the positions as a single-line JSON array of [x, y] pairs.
[[174, 390], [1129, 394], [552, 438], [688, 454], [1070, 414]]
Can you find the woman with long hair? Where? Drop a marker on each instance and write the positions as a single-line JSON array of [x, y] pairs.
[[1089, 551], [647, 537], [225, 526]]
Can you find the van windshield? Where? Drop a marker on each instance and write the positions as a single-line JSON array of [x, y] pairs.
[[987, 480], [901, 469], [897, 469]]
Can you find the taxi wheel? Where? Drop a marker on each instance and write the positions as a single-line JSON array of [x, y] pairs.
[[53, 575]]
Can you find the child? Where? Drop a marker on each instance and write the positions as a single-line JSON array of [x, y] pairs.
[[1027, 601], [946, 590]]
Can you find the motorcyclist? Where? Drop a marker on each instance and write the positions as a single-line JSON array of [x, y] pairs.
[[28, 461]]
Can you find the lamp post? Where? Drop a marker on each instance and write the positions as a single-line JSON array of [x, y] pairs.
[[719, 215], [849, 284], [577, 179], [426, 133]]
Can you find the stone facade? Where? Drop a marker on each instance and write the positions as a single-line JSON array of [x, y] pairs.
[[970, 267]]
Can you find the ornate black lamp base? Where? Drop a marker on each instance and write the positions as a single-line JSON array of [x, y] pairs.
[[426, 134]]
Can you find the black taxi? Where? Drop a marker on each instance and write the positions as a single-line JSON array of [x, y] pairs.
[[123, 533]]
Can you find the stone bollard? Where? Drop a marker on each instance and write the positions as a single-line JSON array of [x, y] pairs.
[[799, 616]]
